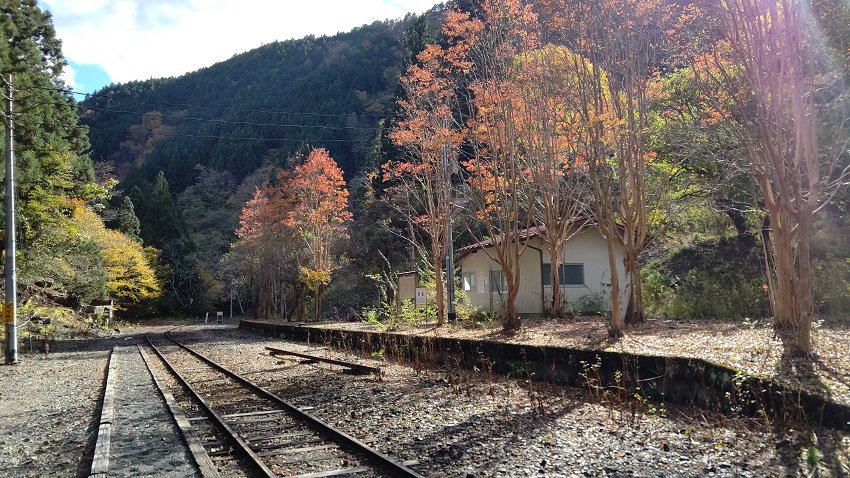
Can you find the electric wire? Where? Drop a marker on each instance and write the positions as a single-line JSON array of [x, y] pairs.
[[238, 138], [219, 108], [209, 120], [206, 120]]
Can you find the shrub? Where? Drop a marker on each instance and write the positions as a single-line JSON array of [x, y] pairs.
[[832, 287], [719, 278]]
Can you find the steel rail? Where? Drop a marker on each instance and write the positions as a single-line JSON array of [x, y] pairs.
[[255, 459], [385, 462]]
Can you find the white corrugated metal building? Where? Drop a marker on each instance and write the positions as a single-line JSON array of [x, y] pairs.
[[584, 275]]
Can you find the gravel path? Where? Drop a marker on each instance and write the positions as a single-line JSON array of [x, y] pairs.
[[145, 439], [47, 413]]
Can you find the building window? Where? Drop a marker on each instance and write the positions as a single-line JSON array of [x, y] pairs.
[[568, 274], [498, 282], [469, 281]]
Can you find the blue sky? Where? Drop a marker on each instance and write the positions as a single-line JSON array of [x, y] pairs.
[[108, 41]]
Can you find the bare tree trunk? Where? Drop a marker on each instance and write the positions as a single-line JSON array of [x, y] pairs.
[[805, 300], [440, 289], [555, 258], [300, 303], [634, 309], [510, 319], [318, 304], [615, 328]]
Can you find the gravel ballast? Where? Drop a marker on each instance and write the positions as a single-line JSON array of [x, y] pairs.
[[460, 423], [456, 423]]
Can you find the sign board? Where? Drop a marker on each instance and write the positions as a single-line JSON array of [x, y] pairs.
[[421, 296], [219, 317], [8, 313]]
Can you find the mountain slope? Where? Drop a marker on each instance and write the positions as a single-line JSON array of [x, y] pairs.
[[327, 91]]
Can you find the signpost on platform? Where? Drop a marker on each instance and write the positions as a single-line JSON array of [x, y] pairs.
[[421, 297]]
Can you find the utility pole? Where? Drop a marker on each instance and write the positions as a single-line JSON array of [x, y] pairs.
[[11, 299], [450, 253]]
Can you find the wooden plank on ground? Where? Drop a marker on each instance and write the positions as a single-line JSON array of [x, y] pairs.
[[251, 414], [351, 366], [341, 471]]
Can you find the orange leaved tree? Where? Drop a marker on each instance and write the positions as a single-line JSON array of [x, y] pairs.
[[789, 99], [547, 128], [625, 43], [268, 251], [430, 138], [319, 214], [498, 181]]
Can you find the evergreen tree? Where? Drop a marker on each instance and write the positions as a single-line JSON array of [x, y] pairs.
[[56, 263], [127, 221]]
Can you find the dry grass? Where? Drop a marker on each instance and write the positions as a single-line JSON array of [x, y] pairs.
[[746, 346]]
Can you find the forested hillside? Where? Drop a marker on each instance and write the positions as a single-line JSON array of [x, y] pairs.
[[69, 252], [190, 151], [261, 105]]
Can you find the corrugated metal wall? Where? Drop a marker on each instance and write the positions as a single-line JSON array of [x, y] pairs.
[[529, 299], [588, 248]]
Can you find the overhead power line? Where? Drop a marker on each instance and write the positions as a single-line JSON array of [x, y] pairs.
[[211, 108], [240, 138], [243, 123], [206, 120]]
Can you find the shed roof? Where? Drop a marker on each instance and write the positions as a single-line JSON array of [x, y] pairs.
[[524, 234]]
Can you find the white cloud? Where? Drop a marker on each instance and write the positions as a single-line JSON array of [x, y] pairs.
[[69, 77], [141, 39]]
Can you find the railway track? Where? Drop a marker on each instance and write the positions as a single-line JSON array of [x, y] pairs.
[[238, 420]]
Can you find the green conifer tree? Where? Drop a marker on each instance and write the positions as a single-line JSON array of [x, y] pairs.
[[128, 222]]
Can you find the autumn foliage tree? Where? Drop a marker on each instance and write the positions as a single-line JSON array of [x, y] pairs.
[[498, 182], [130, 276], [320, 215], [267, 252], [430, 137], [544, 84], [624, 43]]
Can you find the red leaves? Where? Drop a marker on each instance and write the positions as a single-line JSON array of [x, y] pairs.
[[320, 197], [264, 215], [311, 203]]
